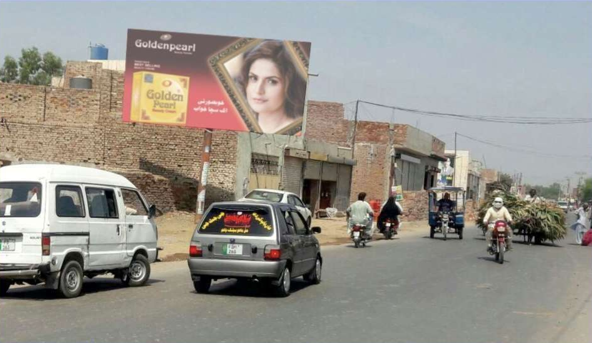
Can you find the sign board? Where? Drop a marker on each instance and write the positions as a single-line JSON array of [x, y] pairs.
[[215, 82]]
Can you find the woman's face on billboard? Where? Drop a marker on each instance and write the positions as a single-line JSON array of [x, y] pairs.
[[265, 88]]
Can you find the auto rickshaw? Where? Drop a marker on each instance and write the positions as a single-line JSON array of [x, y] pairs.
[[446, 221]]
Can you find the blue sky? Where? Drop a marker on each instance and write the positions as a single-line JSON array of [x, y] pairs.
[[475, 58]]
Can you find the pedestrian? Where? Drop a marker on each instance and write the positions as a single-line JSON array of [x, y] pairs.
[[581, 225]]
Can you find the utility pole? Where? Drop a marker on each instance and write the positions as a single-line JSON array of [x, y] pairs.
[[581, 175], [355, 126], [203, 180], [455, 164]]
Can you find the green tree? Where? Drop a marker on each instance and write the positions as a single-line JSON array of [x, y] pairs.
[[586, 190], [506, 180], [32, 68], [9, 71], [29, 65]]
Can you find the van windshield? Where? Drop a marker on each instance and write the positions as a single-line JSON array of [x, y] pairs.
[[20, 199], [250, 221]]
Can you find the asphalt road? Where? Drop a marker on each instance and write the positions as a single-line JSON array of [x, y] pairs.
[[412, 289]]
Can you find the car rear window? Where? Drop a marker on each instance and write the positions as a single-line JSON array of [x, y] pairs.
[[263, 195], [20, 199], [241, 222]]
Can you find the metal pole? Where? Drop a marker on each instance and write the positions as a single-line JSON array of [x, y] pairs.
[[355, 126], [203, 181], [455, 164]]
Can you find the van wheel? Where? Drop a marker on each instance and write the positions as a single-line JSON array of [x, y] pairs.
[[283, 289], [139, 272], [71, 279], [4, 286], [314, 275], [203, 285]]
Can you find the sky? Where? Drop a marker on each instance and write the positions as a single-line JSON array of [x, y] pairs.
[[473, 58]]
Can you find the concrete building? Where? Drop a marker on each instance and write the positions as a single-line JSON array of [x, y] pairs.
[[386, 155]]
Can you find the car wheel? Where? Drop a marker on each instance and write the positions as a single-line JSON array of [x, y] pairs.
[[314, 275], [203, 285], [139, 272], [71, 279], [283, 289], [4, 286]]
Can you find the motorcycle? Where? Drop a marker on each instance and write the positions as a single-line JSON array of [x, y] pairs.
[[390, 228], [498, 241], [359, 235], [445, 222]]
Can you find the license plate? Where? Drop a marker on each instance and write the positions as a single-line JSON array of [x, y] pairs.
[[7, 244], [388, 224], [356, 234], [232, 249]]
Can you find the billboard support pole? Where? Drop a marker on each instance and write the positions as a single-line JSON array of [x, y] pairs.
[[203, 180]]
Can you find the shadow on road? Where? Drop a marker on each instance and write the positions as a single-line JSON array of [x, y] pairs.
[[491, 259], [252, 289], [449, 238], [40, 293]]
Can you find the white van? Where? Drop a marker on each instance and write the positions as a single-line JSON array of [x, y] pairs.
[[59, 223]]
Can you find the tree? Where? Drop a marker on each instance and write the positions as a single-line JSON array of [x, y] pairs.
[[9, 72], [29, 64], [586, 190], [548, 192], [506, 180], [31, 68]]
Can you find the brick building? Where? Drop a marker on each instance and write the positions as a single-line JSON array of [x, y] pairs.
[[385, 154], [84, 127]]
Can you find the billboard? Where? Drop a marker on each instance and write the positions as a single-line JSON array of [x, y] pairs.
[[215, 82]]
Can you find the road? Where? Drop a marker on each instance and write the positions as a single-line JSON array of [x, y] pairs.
[[412, 289]]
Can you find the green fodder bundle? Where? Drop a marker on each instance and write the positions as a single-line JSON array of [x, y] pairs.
[[543, 221]]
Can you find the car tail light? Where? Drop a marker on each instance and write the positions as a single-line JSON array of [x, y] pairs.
[[195, 251], [272, 253], [45, 245]]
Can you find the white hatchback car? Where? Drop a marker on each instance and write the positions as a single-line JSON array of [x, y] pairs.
[[274, 195]]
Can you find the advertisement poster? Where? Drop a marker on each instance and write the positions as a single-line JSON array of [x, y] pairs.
[[215, 82]]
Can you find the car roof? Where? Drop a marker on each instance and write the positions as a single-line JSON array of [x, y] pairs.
[[271, 191], [62, 173], [254, 203]]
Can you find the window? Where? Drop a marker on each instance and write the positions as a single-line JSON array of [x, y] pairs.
[[299, 202], [101, 203], [291, 200], [289, 223], [238, 220], [134, 206], [69, 202], [299, 224], [20, 199], [264, 195]]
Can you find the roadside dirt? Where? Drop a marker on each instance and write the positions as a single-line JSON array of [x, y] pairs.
[[176, 228]]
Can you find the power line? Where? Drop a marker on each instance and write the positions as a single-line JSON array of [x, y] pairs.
[[491, 119], [523, 150]]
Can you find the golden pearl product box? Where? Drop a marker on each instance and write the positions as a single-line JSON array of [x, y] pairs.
[[159, 98]]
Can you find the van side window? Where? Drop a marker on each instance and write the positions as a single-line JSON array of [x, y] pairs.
[[134, 206], [289, 223], [299, 223], [101, 203], [69, 202]]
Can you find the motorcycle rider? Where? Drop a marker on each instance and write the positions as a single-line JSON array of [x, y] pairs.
[[360, 212], [497, 212], [391, 210], [581, 225], [445, 204]]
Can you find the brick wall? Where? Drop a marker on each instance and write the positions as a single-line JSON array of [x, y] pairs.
[[73, 126], [91, 70], [325, 122], [292, 175], [369, 173], [415, 206]]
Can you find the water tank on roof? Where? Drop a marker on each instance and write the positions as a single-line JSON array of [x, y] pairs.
[[80, 82], [99, 52]]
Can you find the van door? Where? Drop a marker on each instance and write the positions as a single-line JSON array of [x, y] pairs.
[[140, 229], [69, 223], [107, 228]]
